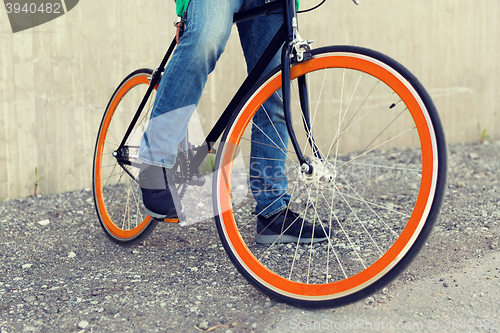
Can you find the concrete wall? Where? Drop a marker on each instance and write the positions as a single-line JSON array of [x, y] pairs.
[[56, 79]]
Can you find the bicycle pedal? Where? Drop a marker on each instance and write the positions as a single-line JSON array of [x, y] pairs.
[[180, 218], [171, 220]]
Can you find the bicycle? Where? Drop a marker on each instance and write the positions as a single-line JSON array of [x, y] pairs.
[[368, 161]]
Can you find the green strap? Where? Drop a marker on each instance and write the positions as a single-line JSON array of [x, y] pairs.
[[181, 6]]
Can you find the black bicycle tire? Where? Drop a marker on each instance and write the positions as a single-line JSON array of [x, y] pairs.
[[145, 232], [435, 206]]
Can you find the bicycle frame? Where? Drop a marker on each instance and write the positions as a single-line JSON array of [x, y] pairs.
[[345, 239], [284, 37]]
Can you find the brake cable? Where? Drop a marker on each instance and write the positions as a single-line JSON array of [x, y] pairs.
[[322, 2]]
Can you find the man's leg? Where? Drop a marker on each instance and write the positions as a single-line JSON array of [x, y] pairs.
[[268, 181], [205, 36], [207, 30]]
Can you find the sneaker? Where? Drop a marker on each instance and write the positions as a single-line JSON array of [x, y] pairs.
[[285, 227], [156, 194]]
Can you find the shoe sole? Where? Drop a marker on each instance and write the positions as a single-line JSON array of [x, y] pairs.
[[269, 239], [165, 218], [155, 215], [162, 217]]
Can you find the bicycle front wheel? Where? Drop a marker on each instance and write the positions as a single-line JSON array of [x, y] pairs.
[[116, 191], [380, 160]]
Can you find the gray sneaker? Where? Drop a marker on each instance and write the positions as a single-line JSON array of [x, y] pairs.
[[289, 227], [160, 200]]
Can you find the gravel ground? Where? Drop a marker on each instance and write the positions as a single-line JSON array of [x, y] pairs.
[[59, 272]]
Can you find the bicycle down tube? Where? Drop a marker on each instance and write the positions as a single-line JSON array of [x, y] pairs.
[[284, 36]]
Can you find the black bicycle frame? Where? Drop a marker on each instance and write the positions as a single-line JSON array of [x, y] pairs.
[[284, 36]]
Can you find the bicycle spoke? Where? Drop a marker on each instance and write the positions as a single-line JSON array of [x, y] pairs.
[[385, 167], [338, 134], [373, 211], [388, 125], [267, 145], [376, 205], [275, 130], [380, 145], [281, 149]]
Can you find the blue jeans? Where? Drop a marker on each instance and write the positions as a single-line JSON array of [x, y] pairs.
[[206, 33]]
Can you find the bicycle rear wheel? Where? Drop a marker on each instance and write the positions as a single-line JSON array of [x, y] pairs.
[[380, 138], [116, 192]]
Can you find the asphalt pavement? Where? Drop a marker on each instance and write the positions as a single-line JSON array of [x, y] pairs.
[[59, 272]]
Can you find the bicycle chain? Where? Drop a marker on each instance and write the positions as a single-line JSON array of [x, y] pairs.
[[181, 169]]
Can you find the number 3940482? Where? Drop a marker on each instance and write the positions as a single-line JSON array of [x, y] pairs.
[[33, 8]]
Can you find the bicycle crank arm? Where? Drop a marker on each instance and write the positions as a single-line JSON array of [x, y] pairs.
[[197, 180]]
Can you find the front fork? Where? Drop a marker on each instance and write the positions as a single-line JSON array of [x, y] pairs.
[[297, 49]]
